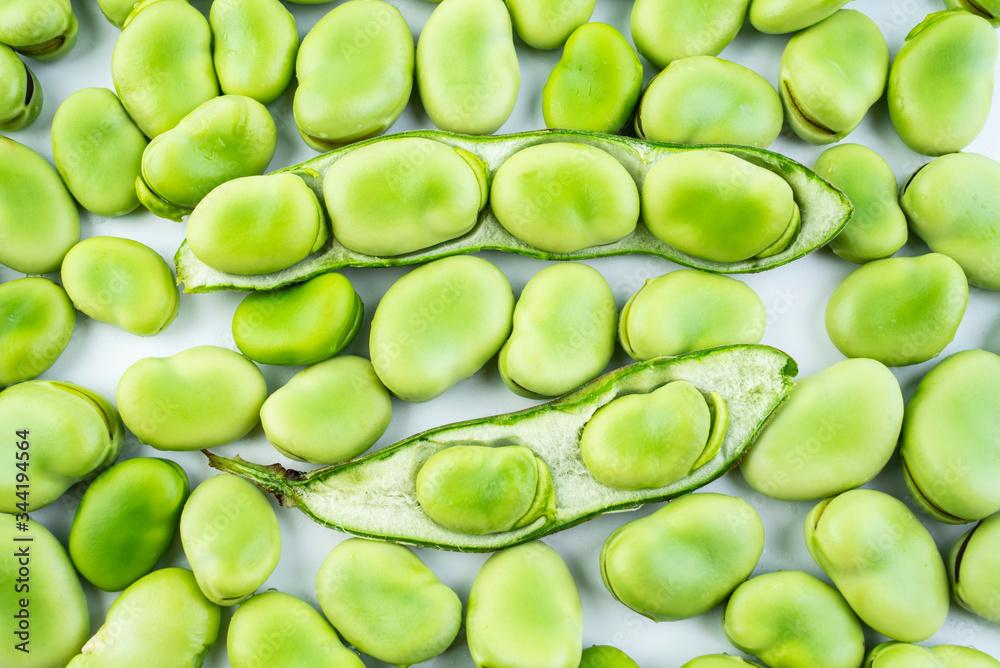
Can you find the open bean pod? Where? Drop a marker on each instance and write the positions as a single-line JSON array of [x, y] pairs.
[[824, 211]]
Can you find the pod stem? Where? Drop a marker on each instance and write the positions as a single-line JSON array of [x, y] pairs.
[[273, 478]]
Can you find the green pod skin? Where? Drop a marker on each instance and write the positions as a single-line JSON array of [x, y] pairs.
[[116, 11], [467, 71], [231, 538], [20, 93], [883, 560], [303, 324], [837, 431], [790, 619], [564, 197], [563, 334], [547, 24], [257, 224], [606, 656], [684, 559], [596, 83], [972, 571], [255, 44], [39, 320], [878, 228], [900, 310], [941, 82], [651, 440], [70, 433], [162, 64], [716, 206], [404, 195], [719, 661], [386, 602], [525, 610], [225, 138], [355, 73], [708, 100], [98, 151], [199, 398], [329, 412], [126, 520], [39, 221], [281, 631], [903, 655], [951, 438], [831, 73], [668, 30], [161, 621], [689, 310], [46, 621], [988, 9], [480, 490], [39, 29], [121, 282], [782, 16], [953, 205], [440, 324]]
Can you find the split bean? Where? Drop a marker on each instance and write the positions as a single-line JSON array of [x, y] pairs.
[[40, 29], [20, 93], [606, 656], [546, 24], [667, 30], [38, 322], [973, 572], [988, 9], [783, 16]]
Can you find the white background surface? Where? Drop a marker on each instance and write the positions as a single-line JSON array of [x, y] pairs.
[[795, 296]]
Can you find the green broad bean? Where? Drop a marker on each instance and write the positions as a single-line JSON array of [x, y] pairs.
[[956, 656], [900, 310], [46, 621], [126, 520], [953, 204], [941, 82], [281, 631], [988, 9], [199, 398], [39, 221], [718, 207], [479, 489], [883, 561], [256, 42], [903, 655], [790, 619], [355, 73], [20, 93], [831, 74], [467, 71], [708, 100], [40, 29], [121, 282], [403, 195], [525, 610], [225, 138], [689, 310], [668, 30], [161, 621], [596, 83], [878, 228], [73, 434], [302, 324], [805, 454], [98, 151], [38, 322], [386, 602], [547, 24], [564, 197], [116, 11], [162, 65], [231, 538], [644, 441], [257, 224], [719, 661], [972, 569], [563, 332], [782, 16], [439, 324], [684, 559], [606, 656], [949, 447], [329, 412]]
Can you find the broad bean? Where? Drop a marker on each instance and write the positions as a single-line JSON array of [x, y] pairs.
[[256, 42], [606, 656], [20, 93], [117, 11], [40, 29], [957, 656], [719, 661], [38, 321], [900, 310], [546, 24], [198, 398], [782, 16], [973, 572], [988, 9], [903, 655], [386, 602], [667, 30]]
